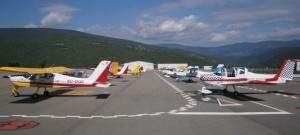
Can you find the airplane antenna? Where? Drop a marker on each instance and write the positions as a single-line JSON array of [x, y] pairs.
[[50, 67]]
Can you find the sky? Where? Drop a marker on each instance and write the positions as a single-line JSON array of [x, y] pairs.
[[187, 22]]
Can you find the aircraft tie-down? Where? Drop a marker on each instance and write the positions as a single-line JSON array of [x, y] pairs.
[[51, 78], [241, 75]]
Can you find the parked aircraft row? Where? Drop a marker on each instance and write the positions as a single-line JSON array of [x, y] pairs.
[[53, 77], [237, 76]]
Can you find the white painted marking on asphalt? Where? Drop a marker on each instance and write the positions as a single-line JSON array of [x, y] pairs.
[[191, 101], [72, 116], [268, 106], [58, 117], [264, 91], [17, 115], [285, 95], [31, 116], [229, 113], [294, 97], [230, 103], [85, 117]]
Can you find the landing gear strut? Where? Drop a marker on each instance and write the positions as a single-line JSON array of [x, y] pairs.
[[15, 92], [235, 93], [36, 96]]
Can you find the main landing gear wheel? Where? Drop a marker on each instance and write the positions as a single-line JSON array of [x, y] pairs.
[[16, 94], [35, 96], [225, 91], [236, 93], [46, 93]]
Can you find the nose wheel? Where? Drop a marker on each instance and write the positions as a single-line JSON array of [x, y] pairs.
[[16, 94]]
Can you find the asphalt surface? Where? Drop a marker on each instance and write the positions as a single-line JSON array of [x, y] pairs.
[[152, 104]]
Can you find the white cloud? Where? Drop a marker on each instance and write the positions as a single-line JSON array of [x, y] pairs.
[[58, 14], [265, 11], [54, 19], [279, 34], [223, 37], [171, 26], [167, 29], [158, 29], [31, 25], [222, 22], [239, 26]]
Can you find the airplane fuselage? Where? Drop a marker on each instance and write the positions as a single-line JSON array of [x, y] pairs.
[[52, 80]]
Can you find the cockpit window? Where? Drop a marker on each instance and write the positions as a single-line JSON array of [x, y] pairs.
[[26, 75]]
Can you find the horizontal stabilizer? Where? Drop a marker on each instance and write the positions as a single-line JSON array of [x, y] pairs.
[[103, 85]]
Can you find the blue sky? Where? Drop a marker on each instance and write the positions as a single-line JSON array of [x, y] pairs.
[[187, 22]]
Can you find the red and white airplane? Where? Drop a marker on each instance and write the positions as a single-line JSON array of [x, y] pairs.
[[122, 72], [241, 75], [50, 78]]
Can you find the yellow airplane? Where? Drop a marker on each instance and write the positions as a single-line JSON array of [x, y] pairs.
[[135, 71], [114, 68], [50, 78]]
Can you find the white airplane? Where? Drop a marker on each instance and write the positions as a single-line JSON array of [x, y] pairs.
[[122, 72], [190, 72], [241, 75], [50, 78]]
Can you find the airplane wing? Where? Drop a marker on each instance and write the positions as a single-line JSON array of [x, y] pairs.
[[36, 70]]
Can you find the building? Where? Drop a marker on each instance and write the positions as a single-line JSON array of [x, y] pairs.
[[171, 65], [298, 65], [146, 65]]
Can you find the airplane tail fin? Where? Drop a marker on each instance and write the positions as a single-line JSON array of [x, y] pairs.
[[99, 76], [124, 70], [136, 70], [286, 70], [219, 68], [114, 67]]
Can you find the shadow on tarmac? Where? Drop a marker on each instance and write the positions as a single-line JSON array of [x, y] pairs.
[[57, 93], [240, 97]]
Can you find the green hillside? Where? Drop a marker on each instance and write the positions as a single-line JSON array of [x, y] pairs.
[[32, 47], [259, 54]]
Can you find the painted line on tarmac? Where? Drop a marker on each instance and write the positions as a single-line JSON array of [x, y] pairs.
[[228, 103], [279, 111], [84, 117], [277, 94], [230, 113], [191, 101]]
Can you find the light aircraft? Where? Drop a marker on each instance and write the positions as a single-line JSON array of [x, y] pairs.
[[190, 72], [135, 71], [114, 67], [241, 75], [50, 78], [122, 72]]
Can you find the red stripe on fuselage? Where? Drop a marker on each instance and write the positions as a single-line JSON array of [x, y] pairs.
[[64, 84]]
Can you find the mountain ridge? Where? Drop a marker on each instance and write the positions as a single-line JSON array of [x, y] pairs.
[[31, 47], [247, 53]]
